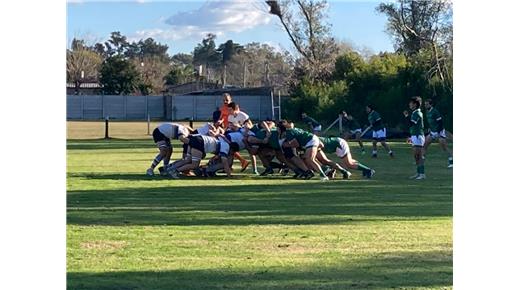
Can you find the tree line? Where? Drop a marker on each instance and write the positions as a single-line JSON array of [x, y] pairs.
[[329, 77], [321, 75], [145, 67]]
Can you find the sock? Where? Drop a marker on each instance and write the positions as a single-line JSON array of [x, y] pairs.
[[156, 161], [450, 160], [420, 169], [362, 167], [390, 152], [322, 174], [374, 152], [166, 161]]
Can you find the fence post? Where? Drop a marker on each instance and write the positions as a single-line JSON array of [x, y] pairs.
[[148, 124], [191, 122], [106, 127], [340, 118], [124, 105], [83, 107], [279, 105]]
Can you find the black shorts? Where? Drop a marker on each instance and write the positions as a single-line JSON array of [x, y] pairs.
[[196, 142], [158, 136], [288, 152]]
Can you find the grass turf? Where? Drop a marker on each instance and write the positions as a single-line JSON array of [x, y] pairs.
[[129, 231]]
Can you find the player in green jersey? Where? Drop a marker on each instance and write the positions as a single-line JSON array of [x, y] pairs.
[[416, 123], [313, 124], [352, 129], [437, 131], [298, 138], [264, 142], [378, 131], [340, 147]]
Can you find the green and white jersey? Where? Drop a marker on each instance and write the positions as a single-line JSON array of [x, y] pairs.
[[330, 144], [273, 139], [417, 123], [256, 129], [302, 136], [375, 121], [434, 120]]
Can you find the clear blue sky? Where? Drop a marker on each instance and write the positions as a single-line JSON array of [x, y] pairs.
[[182, 24]]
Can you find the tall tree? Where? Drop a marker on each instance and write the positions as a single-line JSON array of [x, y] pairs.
[[116, 44], [82, 64], [307, 28], [182, 59], [119, 76], [423, 28], [228, 49], [179, 74]]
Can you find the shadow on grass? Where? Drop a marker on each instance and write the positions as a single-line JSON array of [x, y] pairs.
[[388, 270], [237, 204], [110, 144]]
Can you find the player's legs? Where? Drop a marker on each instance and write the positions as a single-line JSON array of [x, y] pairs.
[[166, 159], [299, 166], [418, 144], [358, 139], [322, 158], [382, 139], [195, 158], [419, 161], [428, 141], [352, 163], [243, 162], [444, 145], [374, 148], [165, 151], [390, 152], [310, 160]]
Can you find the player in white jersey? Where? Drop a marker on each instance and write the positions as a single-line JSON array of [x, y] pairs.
[[199, 146], [162, 136], [237, 116]]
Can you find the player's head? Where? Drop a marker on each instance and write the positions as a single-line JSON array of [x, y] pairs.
[[282, 125], [226, 98], [428, 103], [343, 113], [233, 107], [369, 108], [304, 115], [415, 103], [216, 116]]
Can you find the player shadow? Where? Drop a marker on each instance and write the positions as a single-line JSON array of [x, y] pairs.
[[410, 270], [305, 202]]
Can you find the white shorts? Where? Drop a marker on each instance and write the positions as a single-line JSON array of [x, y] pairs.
[[353, 132], [343, 148], [417, 140], [317, 128], [381, 134], [437, 135], [314, 142]]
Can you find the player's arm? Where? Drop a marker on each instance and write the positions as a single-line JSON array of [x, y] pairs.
[[291, 143], [438, 120], [190, 129]]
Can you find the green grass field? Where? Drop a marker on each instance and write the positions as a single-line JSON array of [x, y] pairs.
[[129, 231]]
